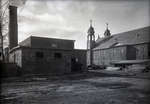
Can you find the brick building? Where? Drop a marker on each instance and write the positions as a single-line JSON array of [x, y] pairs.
[[130, 45], [38, 55]]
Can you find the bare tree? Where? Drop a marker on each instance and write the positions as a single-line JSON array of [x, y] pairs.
[[4, 21], [3, 24]]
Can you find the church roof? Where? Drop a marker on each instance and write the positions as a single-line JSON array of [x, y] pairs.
[[137, 36]]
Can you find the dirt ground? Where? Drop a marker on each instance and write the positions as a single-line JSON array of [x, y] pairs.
[[88, 88]]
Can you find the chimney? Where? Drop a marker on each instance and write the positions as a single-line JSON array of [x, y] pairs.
[[13, 27]]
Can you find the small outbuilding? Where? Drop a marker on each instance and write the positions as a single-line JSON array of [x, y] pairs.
[[38, 55]]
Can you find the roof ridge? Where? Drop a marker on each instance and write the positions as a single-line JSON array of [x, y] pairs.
[[137, 29]]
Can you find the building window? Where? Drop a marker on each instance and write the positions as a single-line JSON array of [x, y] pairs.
[[57, 55], [54, 45], [138, 35], [39, 54]]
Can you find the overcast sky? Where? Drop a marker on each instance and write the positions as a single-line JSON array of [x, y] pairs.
[[70, 19]]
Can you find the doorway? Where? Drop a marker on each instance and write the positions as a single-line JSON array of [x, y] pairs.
[[131, 53], [76, 66]]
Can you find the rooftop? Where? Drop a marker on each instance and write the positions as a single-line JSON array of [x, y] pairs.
[[136, 36]]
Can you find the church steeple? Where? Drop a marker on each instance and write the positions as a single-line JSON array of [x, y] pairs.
[[91, 29], [107, 26], [90, 42], [90, 23], [107, 31]]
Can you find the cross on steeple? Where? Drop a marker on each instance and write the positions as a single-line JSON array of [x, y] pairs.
[[90, 22], [107, 31], [107, 25]]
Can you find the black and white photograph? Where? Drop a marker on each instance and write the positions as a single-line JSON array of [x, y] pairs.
[[75, 51]]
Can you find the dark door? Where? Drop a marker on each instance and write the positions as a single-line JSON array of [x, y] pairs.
[[131, 53], [76, 66], [73, 62]]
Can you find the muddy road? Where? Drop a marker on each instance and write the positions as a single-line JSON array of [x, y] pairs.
[[89, 88]]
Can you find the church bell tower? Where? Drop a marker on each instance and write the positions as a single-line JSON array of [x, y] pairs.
[[90, 43], [107, 31]]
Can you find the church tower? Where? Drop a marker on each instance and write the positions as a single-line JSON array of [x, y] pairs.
[[107, 31], [90, 43]]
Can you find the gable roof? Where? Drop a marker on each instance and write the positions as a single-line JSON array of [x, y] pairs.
[[137, 36]]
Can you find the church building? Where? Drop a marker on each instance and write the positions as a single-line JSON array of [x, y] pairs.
[[126, 46]]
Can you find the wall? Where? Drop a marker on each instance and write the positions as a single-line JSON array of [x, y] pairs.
[[129, 52], [37, 42], [141, 51], [88, 57], [149, 51], [47, 63], [81, 56], [51, 43], [16, 57], [106, 56]]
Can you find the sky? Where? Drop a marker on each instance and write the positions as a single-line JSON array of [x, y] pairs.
[[70, 19]]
